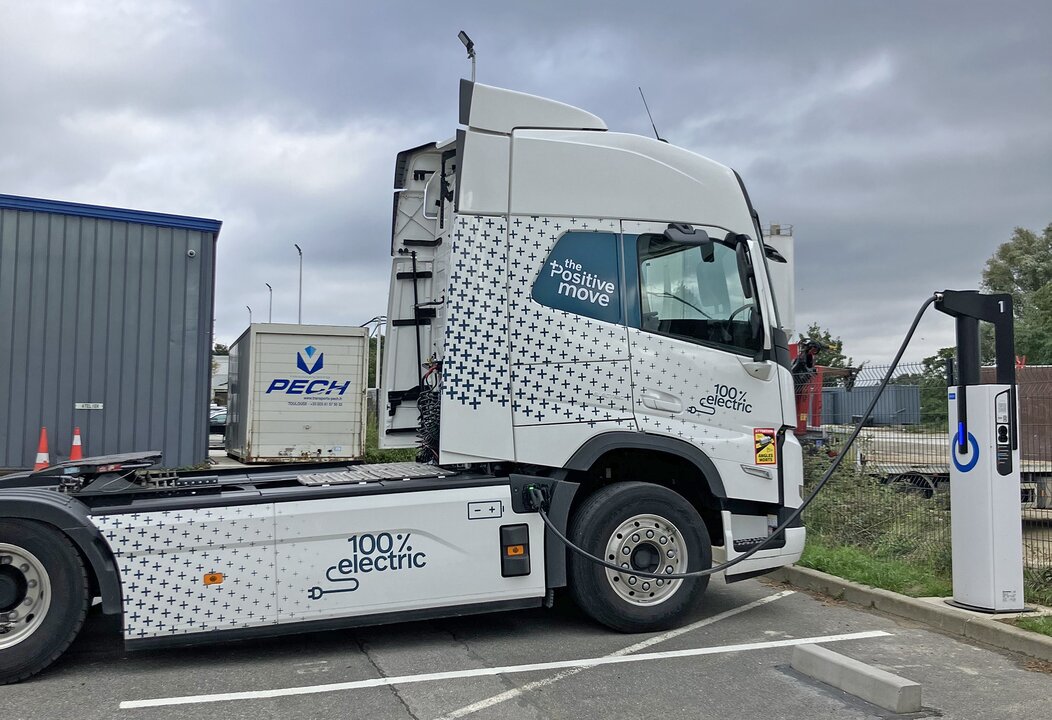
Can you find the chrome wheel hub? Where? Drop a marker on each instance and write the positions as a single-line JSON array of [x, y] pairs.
[[649, 543], [25, 594]]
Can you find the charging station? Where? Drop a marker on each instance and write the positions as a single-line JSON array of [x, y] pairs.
[[986, 524]]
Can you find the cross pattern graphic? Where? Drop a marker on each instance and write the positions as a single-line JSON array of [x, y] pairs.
[[556, 367], [163, 556], [475, 367]]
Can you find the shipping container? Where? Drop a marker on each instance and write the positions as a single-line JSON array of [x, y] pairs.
[[105, 325], [297, 392]]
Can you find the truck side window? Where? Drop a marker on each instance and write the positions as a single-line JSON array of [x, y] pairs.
[[580, 275], [683, 296]]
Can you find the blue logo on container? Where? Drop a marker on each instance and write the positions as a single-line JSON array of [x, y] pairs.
[[303, 386], [301, 362]]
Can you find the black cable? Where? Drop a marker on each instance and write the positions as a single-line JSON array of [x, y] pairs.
[[537, 497]]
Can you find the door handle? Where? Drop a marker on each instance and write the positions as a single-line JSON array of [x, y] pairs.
[[657, 400], [759, 370]]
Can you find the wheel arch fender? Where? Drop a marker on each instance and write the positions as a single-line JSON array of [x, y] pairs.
[[601, 444], [72, 518]]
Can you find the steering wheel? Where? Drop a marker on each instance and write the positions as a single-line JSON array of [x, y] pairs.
[[734, 314], [728, 324]]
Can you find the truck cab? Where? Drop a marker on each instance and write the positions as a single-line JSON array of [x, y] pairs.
[[594, 304]]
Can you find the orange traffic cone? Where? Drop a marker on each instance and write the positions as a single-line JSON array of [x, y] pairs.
[[42, 457], [75, 452]]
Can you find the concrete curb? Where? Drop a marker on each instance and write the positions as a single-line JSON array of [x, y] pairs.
[[873, 685], [941, 617]]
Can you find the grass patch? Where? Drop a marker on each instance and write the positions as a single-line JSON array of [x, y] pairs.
[[373, 453], [1041, 625], [1038, 586], [882, 522], [861, 566]]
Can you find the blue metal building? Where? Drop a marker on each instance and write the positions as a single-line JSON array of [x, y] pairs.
[[106, 324]]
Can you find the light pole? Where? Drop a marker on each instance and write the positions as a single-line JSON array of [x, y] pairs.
[[270, 311], [380, 324], [470, 47], [299, 319], [249, 314]]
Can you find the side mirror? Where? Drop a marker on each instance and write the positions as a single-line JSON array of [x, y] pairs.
[[773, 254], [687, 235], [745, 269]]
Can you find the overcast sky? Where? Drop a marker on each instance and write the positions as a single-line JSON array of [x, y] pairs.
[[903, 141]]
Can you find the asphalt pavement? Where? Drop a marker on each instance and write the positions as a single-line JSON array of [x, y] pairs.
[[730, 661]]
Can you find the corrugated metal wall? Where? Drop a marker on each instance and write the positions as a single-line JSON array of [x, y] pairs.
[[102, 311], [899, 405]]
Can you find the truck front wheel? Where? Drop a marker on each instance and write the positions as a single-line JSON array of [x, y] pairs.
[[644, 527], [43, 597]]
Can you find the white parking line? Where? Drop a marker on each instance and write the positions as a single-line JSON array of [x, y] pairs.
[[483, 672], [649, 642]]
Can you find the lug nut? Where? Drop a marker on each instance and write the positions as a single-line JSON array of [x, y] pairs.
[[663, 540], [646, 586], [635, 537], [632, 580], [625, 551], [650, 533], [670, 553]]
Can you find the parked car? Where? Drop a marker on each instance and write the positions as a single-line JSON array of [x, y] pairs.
[[217, 423]]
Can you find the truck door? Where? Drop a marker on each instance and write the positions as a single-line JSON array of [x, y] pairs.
[[699, 369]]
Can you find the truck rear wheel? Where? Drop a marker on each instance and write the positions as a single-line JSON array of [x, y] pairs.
[[43, 597], [640, 527]]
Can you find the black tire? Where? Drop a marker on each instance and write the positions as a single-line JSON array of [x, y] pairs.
[[68, 604], [595, 523]]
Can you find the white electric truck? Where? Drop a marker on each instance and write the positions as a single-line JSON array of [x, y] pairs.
[[576, 315]]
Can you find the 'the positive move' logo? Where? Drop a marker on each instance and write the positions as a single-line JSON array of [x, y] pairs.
[[301, 362]]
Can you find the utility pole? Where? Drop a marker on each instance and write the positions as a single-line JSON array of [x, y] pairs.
[[299, 319], [270, 312]]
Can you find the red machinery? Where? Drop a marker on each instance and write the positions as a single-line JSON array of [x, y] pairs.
[[808, 379]]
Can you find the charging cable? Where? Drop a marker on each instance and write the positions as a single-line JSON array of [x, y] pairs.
[[540, 503]]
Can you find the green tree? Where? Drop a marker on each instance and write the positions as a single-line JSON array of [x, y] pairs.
[[218, 349], [832, 354], [932, 382], [1022, 267]]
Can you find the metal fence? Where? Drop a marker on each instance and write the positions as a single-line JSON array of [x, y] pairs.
[[892, 499]]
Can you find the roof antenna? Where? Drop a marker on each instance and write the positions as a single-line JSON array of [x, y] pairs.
[[650, 116], [470, 46]]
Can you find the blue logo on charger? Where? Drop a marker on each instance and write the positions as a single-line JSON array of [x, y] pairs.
[[301, 362], [973, 444]]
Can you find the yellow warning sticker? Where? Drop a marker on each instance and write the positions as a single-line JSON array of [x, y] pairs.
[[766, 446]]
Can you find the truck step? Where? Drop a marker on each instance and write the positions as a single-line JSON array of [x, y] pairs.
[[375, 473], [743, 544]]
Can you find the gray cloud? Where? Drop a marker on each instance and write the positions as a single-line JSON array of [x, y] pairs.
[[903, 141]]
